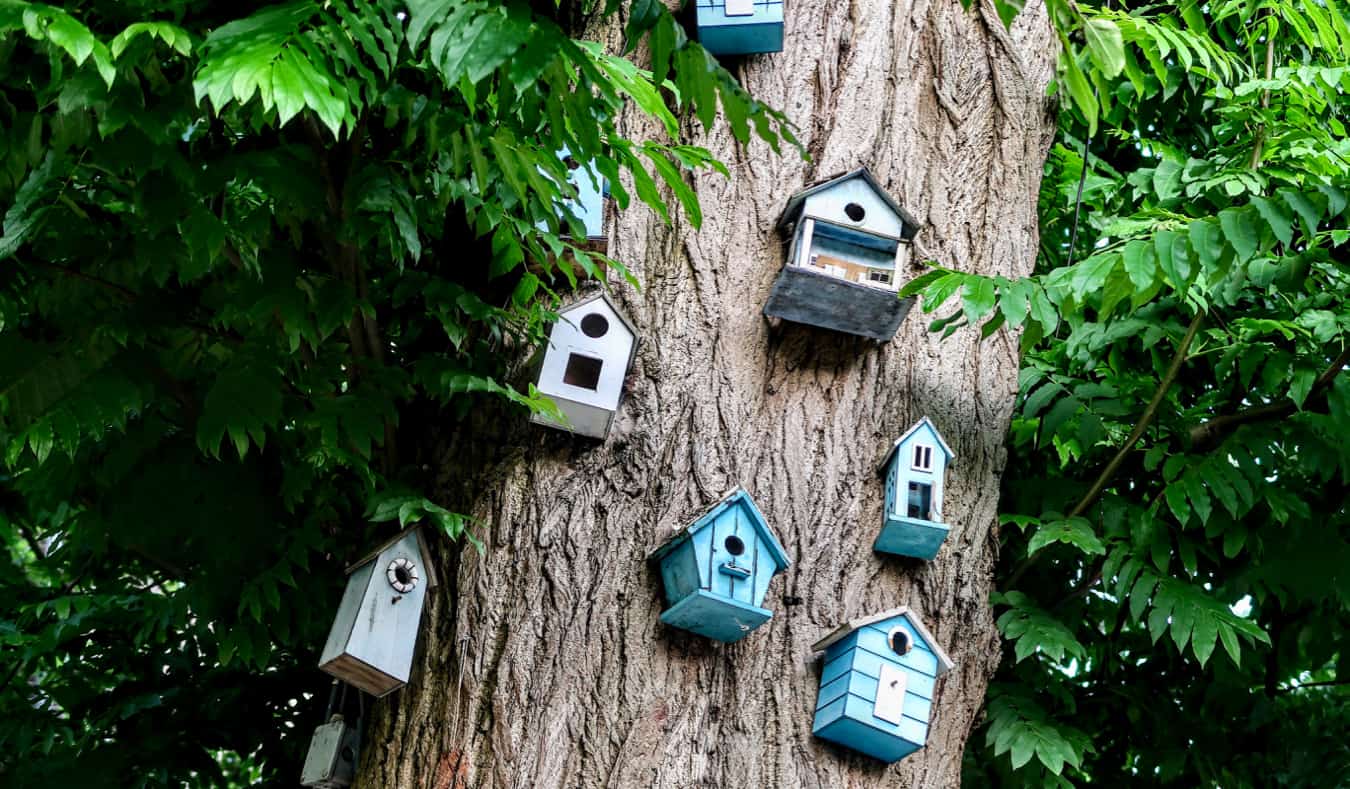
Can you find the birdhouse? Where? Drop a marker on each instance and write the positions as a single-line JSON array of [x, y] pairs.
[[331, 760], [371, 644], [876, 689], [591, 190], [849, 247], [915, 473], [740, 27], [589, 352], [716, 571]]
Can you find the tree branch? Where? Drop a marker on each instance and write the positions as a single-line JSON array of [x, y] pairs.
[[1207, 435]]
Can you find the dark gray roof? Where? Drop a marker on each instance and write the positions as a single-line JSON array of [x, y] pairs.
[[794, 203], [427, 563]]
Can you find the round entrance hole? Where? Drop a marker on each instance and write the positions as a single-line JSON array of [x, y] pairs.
[[594, 325], [402, 575], [855, 212], [347, 754], [735, 545], [900, 641]]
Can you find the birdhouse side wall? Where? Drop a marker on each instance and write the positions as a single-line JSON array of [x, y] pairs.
[[828, 204], [345, 620], [680, 572], [385, 632], [902, 472]]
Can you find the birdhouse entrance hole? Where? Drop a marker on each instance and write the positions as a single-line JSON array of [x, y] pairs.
[[855, 212], [594, 325], [900, 641], [735, 545], [583, 371], [402, 575], [920, 500]]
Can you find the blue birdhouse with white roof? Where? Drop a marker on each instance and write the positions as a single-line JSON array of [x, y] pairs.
[[876, 689], [849, 248], [915, 473], [716, 571], [740, 27]]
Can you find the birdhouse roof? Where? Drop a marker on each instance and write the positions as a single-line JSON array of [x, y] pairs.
[[601, 295], [422, 547], [794, 204], [951, 456], [735, 496], [945, 663]]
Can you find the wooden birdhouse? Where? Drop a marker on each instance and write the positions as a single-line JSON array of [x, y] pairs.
[[375, 632], [740, 27], [589, 203], [915, 474], [716, 571], [589, 352], [876, 689], [331, 760], [847, 257]]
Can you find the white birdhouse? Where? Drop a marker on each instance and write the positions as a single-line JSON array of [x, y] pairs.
[[590, 350], [375, 632]]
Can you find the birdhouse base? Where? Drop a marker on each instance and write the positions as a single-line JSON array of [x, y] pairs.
[[848, 721], [911, 537], [726, 34], [582, 419], [360, 674], [714, 616], [804, 296]]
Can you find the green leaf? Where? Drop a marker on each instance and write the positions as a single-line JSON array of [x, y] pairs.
[[977, 297], [1105, 45], [1073, 531], [1277, 217], [1239, 231]]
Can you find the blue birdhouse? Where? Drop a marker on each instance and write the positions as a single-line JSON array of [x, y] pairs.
[[915, 472], [589, 203], [850, 243], [740, 27], [876, 690], [717, 570]]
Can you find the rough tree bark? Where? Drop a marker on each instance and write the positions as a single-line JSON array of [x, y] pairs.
[[543, 663]]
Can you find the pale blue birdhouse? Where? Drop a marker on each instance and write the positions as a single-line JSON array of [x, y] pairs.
[[876, 689], [740, 27], [375, 631], [589, 203], [717, 570], [850, 245], [915, 472]]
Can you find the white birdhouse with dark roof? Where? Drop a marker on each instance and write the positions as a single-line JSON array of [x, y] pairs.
[[375, 632], [915, 474], [590, 350], [849, 248]]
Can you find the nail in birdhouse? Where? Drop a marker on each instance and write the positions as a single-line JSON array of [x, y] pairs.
[[716, 571], [740, 27], [915, 473], [849, 248], [876, 689], [373, 637], [331, 760], [589, 352]]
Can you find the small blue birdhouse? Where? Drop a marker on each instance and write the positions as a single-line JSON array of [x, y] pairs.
[[740, 27], [375, 631], [716, 571], [849, 248], [915, 472], [876, 689], [589, 203]]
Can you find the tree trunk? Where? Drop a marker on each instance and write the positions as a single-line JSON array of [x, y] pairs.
[[543, 662]]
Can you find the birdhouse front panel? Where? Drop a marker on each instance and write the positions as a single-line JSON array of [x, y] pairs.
[[740, 27], [877, 685], [915, 475], [374, 635], [716, 572], [589, 352], [847, 258], [331, 760]]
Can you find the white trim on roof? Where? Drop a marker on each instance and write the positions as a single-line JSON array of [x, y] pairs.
[[942, 442]]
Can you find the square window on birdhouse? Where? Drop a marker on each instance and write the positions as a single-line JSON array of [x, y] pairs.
[[590, 350], [740, 27], [915, 476], [877, 684], [716, 571], [849, 243]]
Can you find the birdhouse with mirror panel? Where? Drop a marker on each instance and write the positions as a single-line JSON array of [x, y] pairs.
[[849, 246], [586, 191], [375, 632], [740, 27], [716, 571], [590, 350], [915, 475], [876, 687]]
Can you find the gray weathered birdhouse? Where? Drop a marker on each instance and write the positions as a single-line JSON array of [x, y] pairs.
[[373, 637], [589, 352], [849, 247], [331, 761]]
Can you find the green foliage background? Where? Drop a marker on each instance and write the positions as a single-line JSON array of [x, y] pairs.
[[246, 247]]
